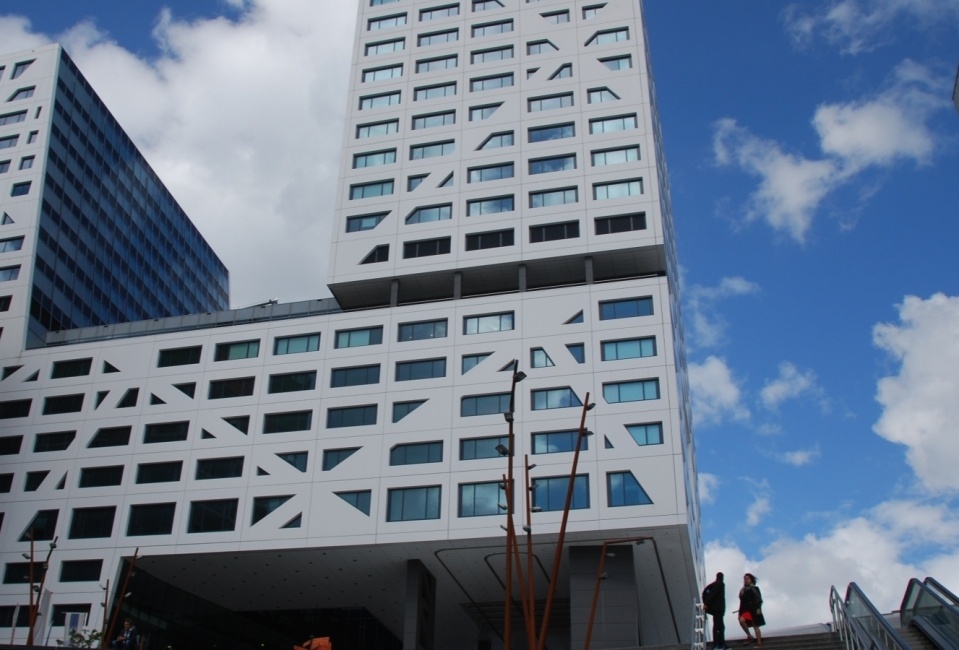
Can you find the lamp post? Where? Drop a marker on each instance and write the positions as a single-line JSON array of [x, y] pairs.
[[123, 595], [35, 602], [558, 554], [517, 377], [600, 576]]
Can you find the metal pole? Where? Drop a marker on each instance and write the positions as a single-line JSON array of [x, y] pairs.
[[592, 607], [123, 592], [30, 612], [508, 485], [531, 623], [558, 555]]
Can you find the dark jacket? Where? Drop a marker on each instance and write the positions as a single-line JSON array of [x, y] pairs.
[[714, 598], [751, 600]]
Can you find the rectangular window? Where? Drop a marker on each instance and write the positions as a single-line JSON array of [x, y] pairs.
[[12, 118], [228, 388], [549, 493], [292, 382], [550, 102], [432, 149], [625, 308], [357, 338], [480, 499], [377, 3], [420, 369], [417, 453], [4, 166], [646, 434], [430, 213], [439, 63], [385, 22], [592, 11], [553, 231], [489, 29], [488, 404], [555, 442], [552, 164], [413, 503], [165, 472], [71, 368], [63, 404], [483, 112], [426, 247], [554, 398], [546, 198], [617, 189], [540, 47], [355, 376], [613, 124], [629, 348], [18, 573], [491, 83], [110, 437], [11, 244], [552, 132], [8, 142], [351, 416], [165, 432], [422, 330], [151, 519], [296, 344], [80, 570], [434, 119], [287, 422], [620, 223], [437, 38], [179, 356], [380, 74], [434, 92], [212, 516], [493, 205], [9, 273], [91, 477], [214, 468], [5, 302], [92, 523], [374, 158], [599, 95], [490, 173], [615, 156], [488, 323], [371, 190], [494, 54], [237, 350], [376, 129], [497, 141], [631, 391], [493, 239], [379, 101], [435, 13], [618, 62], [386, 47], [608, 36], [487, 447], [363, 222], [56, 441], [16, 408], [557, 17]]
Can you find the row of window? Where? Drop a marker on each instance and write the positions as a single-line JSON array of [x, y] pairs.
[[562, 16], [403, 504], [564, 162], [601, 191]]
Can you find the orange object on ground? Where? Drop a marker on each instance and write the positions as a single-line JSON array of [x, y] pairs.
[[316, 643]]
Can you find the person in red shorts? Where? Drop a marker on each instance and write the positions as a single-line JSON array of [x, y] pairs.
[[750, 609]]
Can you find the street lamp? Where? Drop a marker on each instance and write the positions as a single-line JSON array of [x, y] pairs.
[[509, 451]]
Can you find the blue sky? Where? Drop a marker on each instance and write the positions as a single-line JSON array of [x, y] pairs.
[[813, 152]]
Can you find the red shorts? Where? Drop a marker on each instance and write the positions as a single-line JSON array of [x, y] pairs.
[[746, 617]]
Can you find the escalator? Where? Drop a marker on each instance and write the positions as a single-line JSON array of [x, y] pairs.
[[932, 609]]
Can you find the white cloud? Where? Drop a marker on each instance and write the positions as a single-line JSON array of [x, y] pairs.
[[795, 575], [759, 508], [874, 131], [708, 329], [920, 409], [716, 397], [242, 119], [708, 486], [790, 384], [800, 457], [858, 26]]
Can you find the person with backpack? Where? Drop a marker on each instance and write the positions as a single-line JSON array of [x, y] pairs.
[[714, 602]]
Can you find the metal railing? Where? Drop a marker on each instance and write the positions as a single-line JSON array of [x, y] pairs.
[[697, 637], [934, 610], [859, 623]]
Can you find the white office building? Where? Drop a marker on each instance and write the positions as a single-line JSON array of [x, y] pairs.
[[335, 467]]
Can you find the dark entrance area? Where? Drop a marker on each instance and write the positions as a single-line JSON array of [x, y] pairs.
[[170, 618]]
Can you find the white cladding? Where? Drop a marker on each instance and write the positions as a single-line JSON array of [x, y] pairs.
[[549, 322]]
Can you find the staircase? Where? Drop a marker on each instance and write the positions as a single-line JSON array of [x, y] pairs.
[[814, 641]]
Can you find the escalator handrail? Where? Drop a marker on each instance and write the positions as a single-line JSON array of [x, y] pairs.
[[943, 592], [936, 592], [932, 632], [891, 639]]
